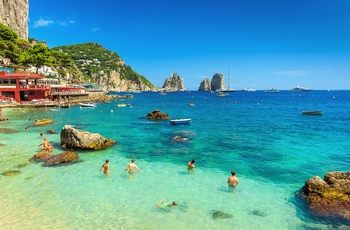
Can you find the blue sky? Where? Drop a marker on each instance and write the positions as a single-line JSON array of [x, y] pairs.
[[264, 43]]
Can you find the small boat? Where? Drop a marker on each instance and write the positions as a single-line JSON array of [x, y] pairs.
[[191, 104], [180, 121], [122, 105], [87, 105], [64, 106], [221, 94], [313, 112], [299, 88], [272, 90]]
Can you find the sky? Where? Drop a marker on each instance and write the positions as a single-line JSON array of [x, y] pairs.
[[255, 44]]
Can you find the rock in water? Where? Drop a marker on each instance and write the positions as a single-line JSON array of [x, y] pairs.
[[42, 156], [205, 85], [78, 139], [11, 173], [157, 115], [63, 158], [220, 215], [218, 82], [330, 197]]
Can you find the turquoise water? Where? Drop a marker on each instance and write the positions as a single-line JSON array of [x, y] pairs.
[[262, 136]]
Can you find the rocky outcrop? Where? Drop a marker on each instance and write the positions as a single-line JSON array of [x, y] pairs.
[[329, 197], [78, 139], [205, 85], [11, 173], [174, 83], [62, 158], [14, 14], [42, 122], [157, 115], [218, 82], [215, 214], [41, 157]]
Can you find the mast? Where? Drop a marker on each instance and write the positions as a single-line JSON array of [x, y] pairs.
[[228, 78]]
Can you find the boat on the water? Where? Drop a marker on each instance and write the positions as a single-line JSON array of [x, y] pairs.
[[312, 112], [221, 94], [299, 88], [272, 90], [180, 121], [87, 104]]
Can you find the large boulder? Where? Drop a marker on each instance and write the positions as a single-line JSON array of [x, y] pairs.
[[174, 83], [218, 82], [329, 197], [157, 115], [42, 122], [41, 156], [62, 158], [205, 85], [78, 139]]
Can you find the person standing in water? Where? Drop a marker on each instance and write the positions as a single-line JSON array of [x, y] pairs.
[[132, 166], [232, 180], [105, 167], [190, 165]]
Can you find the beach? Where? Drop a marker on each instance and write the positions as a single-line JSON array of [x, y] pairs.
[[263, 137]]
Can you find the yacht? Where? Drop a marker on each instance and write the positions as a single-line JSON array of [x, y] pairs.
[[272, 90]]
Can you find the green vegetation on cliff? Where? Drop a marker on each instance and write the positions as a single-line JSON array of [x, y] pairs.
[[94, 61]]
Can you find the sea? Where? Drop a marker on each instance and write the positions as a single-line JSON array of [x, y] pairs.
[[264, 137]]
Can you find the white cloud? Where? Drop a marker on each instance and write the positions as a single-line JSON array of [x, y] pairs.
[[41, 23], [95, 29], [63, 23], [292, 73], [71, 21]]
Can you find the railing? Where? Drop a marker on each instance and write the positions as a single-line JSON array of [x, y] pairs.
[[69, 92]]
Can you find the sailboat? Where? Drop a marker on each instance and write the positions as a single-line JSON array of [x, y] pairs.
[[228, 84]]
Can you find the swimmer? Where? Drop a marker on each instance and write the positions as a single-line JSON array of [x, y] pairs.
[[232, 180], [164, 205], [190, 165], [132, 166], [46, 145], [105, 167]]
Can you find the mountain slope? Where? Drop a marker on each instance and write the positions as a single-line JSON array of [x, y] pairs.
[[104, 67]]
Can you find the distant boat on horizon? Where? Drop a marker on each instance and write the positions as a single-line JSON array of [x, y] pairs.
[[272, 90], [299, 88]]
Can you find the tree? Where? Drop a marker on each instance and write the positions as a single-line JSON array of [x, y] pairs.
[[8, 43], [38, 56]]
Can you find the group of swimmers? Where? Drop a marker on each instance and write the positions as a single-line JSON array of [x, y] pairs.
[[232, 180]]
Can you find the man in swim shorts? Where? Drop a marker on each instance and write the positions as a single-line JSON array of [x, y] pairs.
[[232, 180], [132, 166], [105, 167]]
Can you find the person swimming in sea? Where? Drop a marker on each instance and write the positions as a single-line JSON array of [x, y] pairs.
[[191, 165], [132, 166], [162, 204], [105, 167], [232, 180]]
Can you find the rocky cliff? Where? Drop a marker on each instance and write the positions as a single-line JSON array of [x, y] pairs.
[[174, 83], [14, 14], [205, 85], [218, 82]]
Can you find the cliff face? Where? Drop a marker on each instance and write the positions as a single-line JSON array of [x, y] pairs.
[[218, 82], [14, 14], [174, 83], [205, 85]]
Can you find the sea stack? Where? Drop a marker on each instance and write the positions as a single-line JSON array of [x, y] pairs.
[[218, 82], [205, 85], [174, 83]]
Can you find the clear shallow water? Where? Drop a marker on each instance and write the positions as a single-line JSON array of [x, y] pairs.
[[263, 136]]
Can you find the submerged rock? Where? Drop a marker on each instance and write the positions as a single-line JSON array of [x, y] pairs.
[[78, 139], [220, 215], [62, 158], [330, 197], [22, 165], [8, 131], [179, 139], [157, 115], [257, 213], [51, 131], [42, 122], [11, 173], [42, 156]]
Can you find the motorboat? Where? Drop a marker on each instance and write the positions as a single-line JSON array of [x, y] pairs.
[[299, 88], [272, 90], [180, 121], [312, 112], [87, 104], [221, 94]]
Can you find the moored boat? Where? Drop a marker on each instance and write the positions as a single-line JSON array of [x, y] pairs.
[[87, 104], [221, 94], [180, 121], [272, 90], [312, 112]]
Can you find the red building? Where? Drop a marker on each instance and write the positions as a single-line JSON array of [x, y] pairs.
[[22, 86]]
